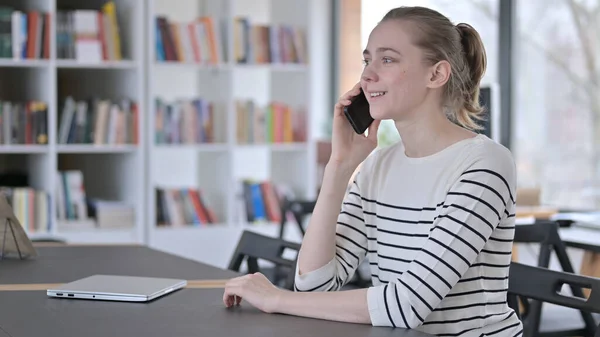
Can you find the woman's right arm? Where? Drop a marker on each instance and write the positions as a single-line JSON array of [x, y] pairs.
[[335, 241], [318, 247]]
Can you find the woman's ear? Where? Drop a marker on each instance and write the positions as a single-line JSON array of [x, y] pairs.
[[439, 74]]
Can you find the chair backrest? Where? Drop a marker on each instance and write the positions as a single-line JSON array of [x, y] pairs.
[[300, 209], [540, 284], [544, 285], [545, 233], [253, 247]]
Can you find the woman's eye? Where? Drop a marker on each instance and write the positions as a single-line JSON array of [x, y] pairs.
[[387, 60], [365, 62]]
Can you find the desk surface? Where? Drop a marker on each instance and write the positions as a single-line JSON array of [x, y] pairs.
[[581, 237], [186, 312], [69, 263]]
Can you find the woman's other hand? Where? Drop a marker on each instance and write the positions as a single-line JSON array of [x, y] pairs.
[[256, 289]]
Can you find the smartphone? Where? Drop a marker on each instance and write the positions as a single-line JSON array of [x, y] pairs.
[[358, 113]]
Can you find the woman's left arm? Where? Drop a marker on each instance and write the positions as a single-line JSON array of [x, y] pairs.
[[342, 306]]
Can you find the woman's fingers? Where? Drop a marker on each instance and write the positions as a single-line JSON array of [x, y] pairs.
[[229, 293], [228, 297], [233, 300], [356, 88], [352, 92], [346, 98], [232, 292]]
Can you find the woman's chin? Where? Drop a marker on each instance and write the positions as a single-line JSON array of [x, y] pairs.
[[379, 114]]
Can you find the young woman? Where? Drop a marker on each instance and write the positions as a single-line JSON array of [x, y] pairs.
[[433, 215]]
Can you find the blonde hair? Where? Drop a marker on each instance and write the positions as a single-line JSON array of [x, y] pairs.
[[462, 47]]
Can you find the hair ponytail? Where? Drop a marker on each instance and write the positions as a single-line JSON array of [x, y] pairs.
[[476, 61]]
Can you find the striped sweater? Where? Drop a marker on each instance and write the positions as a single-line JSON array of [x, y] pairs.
[[437, 232]]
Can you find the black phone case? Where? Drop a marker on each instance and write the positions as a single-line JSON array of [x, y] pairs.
[[359, 128], [358, 114]]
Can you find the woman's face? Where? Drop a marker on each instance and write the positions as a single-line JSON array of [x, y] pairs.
[[395, 78]]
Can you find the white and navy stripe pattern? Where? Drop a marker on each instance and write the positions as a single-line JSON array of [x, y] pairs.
[[441, 266]]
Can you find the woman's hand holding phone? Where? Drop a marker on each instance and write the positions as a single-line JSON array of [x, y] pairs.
[[349, 149]]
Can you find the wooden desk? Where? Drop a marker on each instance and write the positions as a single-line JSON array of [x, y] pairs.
[[537, 212], [186, 312]]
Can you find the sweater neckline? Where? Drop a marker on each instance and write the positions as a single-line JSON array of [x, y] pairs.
[[449, 148]]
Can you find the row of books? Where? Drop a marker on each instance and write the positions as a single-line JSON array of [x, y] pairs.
[[94, 35], [261, 43], [88, 35], [274, 123], [198, 41], [101, 121], [260, 201], [23, 122], [98, 121], [179, 207], [184, 121], [24, 34], [30, 206], [103, 214], [76, 210]]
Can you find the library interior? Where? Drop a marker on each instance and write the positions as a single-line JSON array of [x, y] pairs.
[[174, 152]]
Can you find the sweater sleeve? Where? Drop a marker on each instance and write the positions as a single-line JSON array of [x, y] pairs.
[[474, 205], [351, 247]]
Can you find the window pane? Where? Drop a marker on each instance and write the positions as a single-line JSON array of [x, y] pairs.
[[481, 14], [556, 130]]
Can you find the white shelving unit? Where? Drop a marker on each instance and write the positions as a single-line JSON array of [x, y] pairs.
[[109, 172], [131, 173], [217, 169]]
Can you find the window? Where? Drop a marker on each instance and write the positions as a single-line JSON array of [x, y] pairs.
[[481, 14], [556, 110]]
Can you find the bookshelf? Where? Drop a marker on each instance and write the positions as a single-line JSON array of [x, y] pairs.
[[262, 115], [38, 140], [187, 117]]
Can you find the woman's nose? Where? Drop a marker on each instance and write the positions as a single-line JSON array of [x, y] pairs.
[[368, 75]]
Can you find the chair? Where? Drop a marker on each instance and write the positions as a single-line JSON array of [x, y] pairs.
[[300, 209], [253, 247], [545, 233], [543, 285]]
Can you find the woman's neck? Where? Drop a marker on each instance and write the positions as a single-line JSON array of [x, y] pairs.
[[429, 133]]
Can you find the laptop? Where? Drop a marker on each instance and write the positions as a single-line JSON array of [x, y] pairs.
[[117, 288]]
